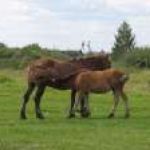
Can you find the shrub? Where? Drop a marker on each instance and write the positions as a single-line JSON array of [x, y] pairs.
[[139, 57]]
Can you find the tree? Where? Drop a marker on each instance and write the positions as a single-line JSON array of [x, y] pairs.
[[124, 40]]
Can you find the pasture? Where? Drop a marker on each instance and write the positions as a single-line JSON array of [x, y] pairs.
[[57, 132]]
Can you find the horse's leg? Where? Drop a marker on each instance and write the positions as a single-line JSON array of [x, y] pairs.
[[72, 111], [37, 99], [26, 97], [114, 107], [125, 99]]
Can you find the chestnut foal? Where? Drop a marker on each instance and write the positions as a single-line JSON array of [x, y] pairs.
[[101, 82]]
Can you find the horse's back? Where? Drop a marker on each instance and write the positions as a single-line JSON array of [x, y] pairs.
[[50, 69]]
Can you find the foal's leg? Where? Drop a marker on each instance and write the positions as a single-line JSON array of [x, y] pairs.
[[116, 101], [125, 99], [37, 99], [82, 104], [26, 97], [72, 111], [85, 106]]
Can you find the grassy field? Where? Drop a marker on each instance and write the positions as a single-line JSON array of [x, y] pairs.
[[57, 132]]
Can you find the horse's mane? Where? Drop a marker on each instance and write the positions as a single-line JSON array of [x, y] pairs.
[[92, 61], [88, 58]]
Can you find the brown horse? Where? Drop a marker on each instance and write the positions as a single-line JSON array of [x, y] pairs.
[[60, 75], [101, 82]]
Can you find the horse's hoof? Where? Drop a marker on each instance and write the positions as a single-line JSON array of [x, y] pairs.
[[85, 114], [127, 116], [23, 116], [40, 117], [71, 116], [111, 115]]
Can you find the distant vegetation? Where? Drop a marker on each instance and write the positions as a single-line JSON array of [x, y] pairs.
[[19, 57], [139, 57]]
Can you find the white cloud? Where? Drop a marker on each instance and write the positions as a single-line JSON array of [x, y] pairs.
[[28, 21], [118, 4], [87, 4], [13, 10], [128, 3], [130, 7], [141, 28]]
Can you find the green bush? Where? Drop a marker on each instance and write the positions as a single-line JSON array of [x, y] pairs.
[[139, 57]]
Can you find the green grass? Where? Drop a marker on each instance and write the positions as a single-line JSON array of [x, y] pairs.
[[57, 132]]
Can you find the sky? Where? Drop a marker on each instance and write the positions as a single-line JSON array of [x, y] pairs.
[[65, 24]]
